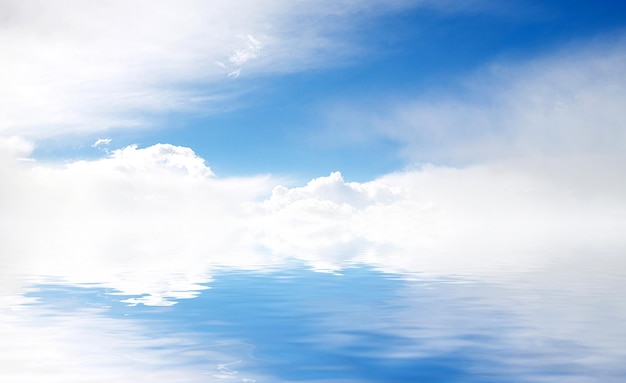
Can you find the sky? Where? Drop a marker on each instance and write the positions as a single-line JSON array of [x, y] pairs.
[[152, 150], [435, 136], [281, 87]]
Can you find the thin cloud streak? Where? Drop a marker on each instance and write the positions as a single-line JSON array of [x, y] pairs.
[[82, 66]]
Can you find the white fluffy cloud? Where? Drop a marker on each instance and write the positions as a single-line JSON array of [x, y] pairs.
[[152, 223], [143, 221], [444, 220]]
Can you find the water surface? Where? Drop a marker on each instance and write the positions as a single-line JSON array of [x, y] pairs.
[[293, 324]]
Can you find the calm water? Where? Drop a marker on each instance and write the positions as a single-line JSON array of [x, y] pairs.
[[292, 324]]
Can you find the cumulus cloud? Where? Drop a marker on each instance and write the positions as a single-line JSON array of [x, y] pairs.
[[152, 223], [475, 220], [145, 222], [159, 157]]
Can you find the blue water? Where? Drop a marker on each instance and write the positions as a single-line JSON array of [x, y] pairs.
[[298, 325]]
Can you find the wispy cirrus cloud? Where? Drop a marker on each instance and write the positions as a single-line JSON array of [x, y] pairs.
[[81, 66], [564, 104]]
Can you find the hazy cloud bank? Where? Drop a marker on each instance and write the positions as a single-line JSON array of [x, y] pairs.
[[153, 222]]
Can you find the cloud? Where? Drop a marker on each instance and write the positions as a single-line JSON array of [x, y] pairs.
[[159, 157], [251, 51], [14, 147], [476, 220], [76, 67], [152, 222], [536, 183], [145, 222], [565, 104], [531, 159], [101, 142]]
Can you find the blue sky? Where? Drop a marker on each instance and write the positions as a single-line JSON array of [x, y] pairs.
[[269, 118]]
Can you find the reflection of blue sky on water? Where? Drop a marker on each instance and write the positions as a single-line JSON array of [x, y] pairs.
[[358, 326], [161, 163]]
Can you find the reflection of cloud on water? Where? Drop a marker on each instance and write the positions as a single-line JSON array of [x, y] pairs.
[[480, 330], [153, 228], [84, 345], [362, 324]]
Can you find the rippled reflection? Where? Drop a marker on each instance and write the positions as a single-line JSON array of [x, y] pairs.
[[294, 324]]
